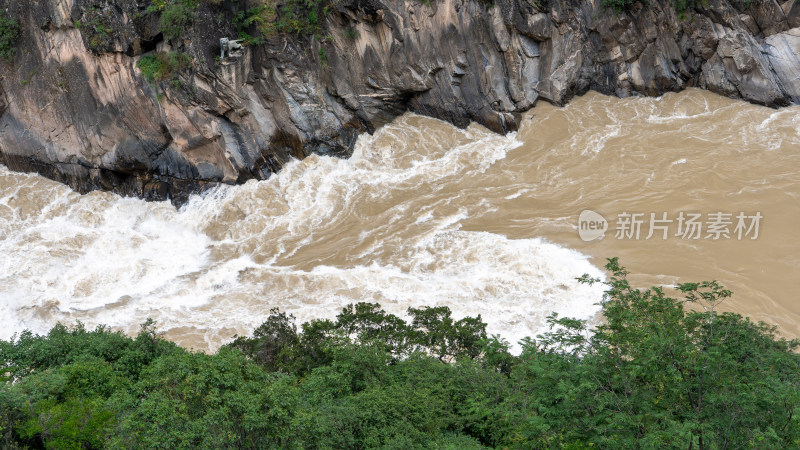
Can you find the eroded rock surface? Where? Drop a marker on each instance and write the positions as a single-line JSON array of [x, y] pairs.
[[76, 108]]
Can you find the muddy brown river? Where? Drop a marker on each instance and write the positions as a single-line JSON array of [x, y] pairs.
[[428, 214]]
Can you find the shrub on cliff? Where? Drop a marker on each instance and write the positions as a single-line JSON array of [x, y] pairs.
[[299, 17], [655, 374], [97, 30], [177, 16], [256, 23], [680, 5], [163, 66], [9, 31]]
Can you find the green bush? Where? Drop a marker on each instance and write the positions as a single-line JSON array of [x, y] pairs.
[[686, 5], [163, 66], [9, 32], [97, 29], [300, 17], [618, 5], [680, 5], [176, 17], [352, 33], [260, 18]]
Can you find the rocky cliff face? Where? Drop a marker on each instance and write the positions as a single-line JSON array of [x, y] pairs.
[[76, 108]]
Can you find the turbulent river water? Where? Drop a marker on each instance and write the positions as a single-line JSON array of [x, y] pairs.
[[428, 214]]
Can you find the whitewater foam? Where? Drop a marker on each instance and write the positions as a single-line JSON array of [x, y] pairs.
[[382, 226]]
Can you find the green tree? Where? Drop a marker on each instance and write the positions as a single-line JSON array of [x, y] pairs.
[[446, 338], [659, 374], [272, 342], [193, 399]]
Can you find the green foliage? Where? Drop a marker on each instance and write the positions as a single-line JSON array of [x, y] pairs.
[[619, 5], [97, 30], [659, 372], [68, 405], [302, 17], [260, 18], [64, 346], [67, 383], [272, 342], [352, 34], [253, 21], [682, 6], [29, 78], [277, 346], [195, 400], [9, 32], [177, 16], [163, 66], [157, 5], [656, 374]]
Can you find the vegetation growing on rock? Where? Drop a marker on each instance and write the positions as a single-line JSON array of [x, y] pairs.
[[300, 17], [655, 374], [163, 66], [97, 30], [9, 31], [680, 5], [261, 18], [176, 16]]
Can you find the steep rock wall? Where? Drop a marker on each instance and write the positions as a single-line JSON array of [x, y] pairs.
[[75, 107]]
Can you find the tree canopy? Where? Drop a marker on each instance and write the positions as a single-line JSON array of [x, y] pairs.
[[659, 372]]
